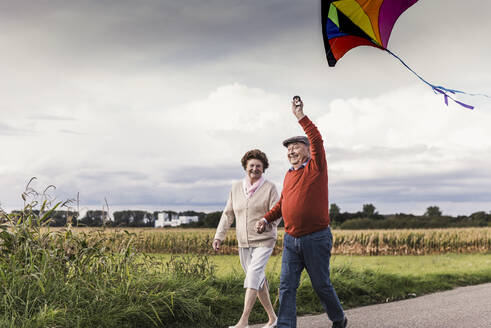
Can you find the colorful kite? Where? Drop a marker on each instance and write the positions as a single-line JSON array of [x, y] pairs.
[[351, 23]]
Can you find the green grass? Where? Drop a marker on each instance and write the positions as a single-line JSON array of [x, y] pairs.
[[362, 280], [408, 265], [419, 266], [359, 280]]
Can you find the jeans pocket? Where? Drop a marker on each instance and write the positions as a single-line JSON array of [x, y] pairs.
[[321, 235], [322, 241]]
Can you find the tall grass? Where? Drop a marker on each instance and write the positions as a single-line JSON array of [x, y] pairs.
[[92, 279]]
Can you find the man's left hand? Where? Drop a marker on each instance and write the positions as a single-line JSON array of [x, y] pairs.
[[261, 226]]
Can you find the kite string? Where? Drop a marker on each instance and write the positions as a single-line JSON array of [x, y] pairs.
[[438, 89]]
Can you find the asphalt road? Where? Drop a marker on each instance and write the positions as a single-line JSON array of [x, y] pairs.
[[468, 307]]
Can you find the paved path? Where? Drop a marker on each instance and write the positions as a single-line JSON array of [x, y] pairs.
[[461, 307]]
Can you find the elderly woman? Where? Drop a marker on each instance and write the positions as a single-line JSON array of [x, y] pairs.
[[247, 203]]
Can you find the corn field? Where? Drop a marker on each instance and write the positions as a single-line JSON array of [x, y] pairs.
[[347, 242]]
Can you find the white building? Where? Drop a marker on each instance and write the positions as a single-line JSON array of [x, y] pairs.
[[188, 219], [167, 219]]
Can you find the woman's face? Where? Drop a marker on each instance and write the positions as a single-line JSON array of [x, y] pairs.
[[254, 169]]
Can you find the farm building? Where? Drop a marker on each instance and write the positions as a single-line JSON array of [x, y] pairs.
[[167, 219], [188, 219], [170, 219]]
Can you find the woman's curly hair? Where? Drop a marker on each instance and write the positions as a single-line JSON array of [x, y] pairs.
[[255, 154]]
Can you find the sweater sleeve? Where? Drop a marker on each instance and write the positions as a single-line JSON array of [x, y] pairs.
[[316, 143], [273, 199], [226, 220], [275, 212]]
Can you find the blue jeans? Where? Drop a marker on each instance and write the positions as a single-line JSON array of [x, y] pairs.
[[312, 252]]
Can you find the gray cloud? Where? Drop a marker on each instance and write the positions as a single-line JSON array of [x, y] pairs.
[[380, 152], [183, 31], [193, 174], [187, 186], [145, 193], [119, 189], [457, 186], [208, 188], [119, 69], [99, 175]]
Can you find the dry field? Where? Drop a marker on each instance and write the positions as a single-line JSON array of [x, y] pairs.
[[348, 242]]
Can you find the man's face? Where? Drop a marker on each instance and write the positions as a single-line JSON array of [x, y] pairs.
[[298, 153]]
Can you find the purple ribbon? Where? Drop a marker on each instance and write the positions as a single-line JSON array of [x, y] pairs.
[[446, 96], [435, 88]]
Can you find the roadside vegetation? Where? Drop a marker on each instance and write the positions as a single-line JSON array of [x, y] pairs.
[[92, 279], [68, 277]]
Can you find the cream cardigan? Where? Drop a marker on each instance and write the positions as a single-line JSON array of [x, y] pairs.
[[247, 212]]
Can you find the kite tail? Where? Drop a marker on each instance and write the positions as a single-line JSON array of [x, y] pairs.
[[439, 89]]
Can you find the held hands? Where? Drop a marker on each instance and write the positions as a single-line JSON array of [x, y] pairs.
[[261, 226], [216, 244], [297, 110]]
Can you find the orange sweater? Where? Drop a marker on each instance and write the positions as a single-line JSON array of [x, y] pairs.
[[304, 202]]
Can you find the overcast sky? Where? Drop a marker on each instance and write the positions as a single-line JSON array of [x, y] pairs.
[[151, 104]]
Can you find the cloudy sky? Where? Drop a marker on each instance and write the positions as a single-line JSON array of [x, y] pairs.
[[151, 104]]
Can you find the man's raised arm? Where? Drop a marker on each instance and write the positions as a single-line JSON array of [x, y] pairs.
[[315, 138]]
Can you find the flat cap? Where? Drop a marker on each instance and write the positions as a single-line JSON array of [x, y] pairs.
[[301, 139]]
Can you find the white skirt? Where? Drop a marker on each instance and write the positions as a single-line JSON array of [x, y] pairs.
[[253, 261]]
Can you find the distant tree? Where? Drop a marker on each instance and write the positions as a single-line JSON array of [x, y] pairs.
[[141, 219], [481, 218], [149, 220], [130, 218], [93, 218], [193, 213], [368, 210], [18, 214], [361, 223], [433, 211], [121, 218], [155, 216], [199, 224], [334, 212], [344, 216], [60, 218], [212, 219]]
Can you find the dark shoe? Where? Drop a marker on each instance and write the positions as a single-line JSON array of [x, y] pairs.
[[340, 324]]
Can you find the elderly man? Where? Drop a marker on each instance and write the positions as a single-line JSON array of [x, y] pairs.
[[305, 209]]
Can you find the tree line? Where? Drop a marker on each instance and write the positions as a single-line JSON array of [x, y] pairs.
[[367, 218], [99, 218]]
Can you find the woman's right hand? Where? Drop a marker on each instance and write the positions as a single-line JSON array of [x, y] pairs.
[[216, 244]]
